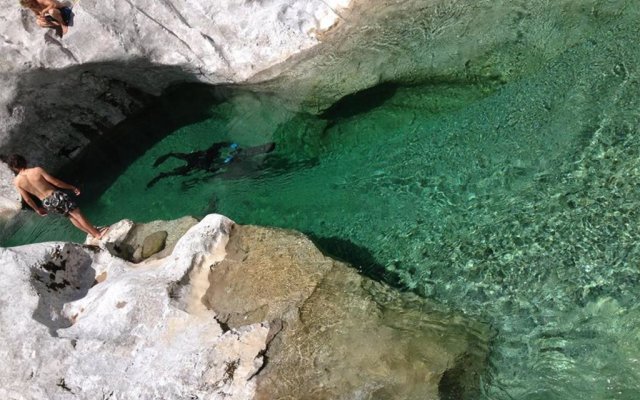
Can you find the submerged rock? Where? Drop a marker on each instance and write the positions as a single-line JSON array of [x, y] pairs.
[[340, 335], [80, 323], [441, 43]]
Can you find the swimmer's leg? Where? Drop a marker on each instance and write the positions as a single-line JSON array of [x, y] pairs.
[[262, 149], [184, 170], [165, 157]]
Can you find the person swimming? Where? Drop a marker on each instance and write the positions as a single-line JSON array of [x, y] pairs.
[[209, 160], [50, 14]]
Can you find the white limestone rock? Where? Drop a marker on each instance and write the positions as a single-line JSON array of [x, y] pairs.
[[132, 336], [10, 203], [224, 40]]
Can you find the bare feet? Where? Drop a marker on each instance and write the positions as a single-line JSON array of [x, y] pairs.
[[103, 231]]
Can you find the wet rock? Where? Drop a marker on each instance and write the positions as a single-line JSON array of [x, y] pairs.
[[340, 335]]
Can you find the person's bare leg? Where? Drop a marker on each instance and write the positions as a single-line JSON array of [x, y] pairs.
[[83, 224], [78, 225], [55, 13]]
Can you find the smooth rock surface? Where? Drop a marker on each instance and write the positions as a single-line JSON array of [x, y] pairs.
[[153, 243], [80, 323], [10, 203], [126, 237], [340, 335]]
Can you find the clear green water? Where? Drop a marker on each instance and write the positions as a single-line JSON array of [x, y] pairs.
[[516, 204]]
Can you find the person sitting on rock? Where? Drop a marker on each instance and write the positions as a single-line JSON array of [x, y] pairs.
[[210, 160], [37, 182], [50, 14]]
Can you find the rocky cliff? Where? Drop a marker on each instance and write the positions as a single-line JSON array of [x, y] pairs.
[[230, 312]]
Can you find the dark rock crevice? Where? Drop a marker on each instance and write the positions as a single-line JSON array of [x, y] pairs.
[[71, 107], [65, 276]]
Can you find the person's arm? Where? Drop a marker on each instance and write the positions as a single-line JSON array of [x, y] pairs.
[[58, 183], [29, 200]]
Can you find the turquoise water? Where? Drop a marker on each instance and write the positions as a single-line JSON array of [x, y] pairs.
[[515, 203]]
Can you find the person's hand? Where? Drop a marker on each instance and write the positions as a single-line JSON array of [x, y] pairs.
[[76, 191], [41, 212]]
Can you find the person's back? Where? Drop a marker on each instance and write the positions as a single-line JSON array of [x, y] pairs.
[[37, 182], [33, 181]]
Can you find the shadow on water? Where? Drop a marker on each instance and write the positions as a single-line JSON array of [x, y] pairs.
[[358, 256], [360, 102], [107, 157]]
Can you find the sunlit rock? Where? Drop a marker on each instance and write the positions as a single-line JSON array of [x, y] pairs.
[[340, 335], [126, 239], [129, 336], [10, 202], [80, 323]]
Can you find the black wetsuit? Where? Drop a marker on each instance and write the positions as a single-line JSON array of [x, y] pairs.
[[209, 160]]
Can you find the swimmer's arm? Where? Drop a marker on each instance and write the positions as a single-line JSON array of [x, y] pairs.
[[29, 200], [57, 182]]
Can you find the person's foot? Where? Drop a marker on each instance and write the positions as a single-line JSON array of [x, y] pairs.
[[102, 231]]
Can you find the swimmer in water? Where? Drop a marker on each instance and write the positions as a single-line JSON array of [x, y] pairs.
[[210, 160]]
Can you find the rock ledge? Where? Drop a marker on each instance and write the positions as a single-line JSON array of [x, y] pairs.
[[81, 323]]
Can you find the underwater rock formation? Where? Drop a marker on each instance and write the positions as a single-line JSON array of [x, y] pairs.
[[440, 43], [280, 319]]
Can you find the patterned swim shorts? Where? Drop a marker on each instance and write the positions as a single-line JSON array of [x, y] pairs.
[[59, 203]]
